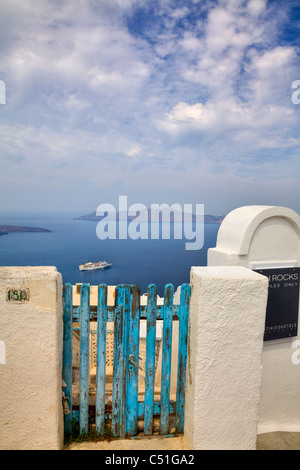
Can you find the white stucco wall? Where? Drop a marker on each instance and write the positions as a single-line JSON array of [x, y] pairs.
[[256, 236], [31, 415], [224, 362]]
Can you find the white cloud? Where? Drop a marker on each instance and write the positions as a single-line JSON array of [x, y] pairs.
[[180, 13], [199, 87], [256, 7], [184, 118]]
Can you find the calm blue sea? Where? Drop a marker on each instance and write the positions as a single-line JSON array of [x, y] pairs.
[[74, 242]]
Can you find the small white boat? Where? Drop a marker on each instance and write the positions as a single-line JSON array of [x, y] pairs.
[[92, 266]]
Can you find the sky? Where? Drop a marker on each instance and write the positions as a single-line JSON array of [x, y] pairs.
[[163, 101]]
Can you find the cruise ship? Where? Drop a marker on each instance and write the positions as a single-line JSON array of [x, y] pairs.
[[92, 266]]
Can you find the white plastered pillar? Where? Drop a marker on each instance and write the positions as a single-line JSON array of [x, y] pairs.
[[224, 358], [31, 335]]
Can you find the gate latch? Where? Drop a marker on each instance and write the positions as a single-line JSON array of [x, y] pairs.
[[132, 363]]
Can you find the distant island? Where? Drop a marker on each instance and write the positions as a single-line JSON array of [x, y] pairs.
[[5, 229], [208, 218]]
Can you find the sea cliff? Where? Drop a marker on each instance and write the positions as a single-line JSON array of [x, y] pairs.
[[5, 229], [208, 218]]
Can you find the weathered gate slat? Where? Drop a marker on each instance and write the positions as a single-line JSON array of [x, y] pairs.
[[101, 358], [125, 326], [84, 359], [133, 362], [182, 356], [67, 355], [120, 360], [150, 359], [166, 359]]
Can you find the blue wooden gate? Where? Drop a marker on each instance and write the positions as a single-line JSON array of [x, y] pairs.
[[126, 314]]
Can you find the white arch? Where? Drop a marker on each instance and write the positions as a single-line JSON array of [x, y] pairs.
[[238, 227]]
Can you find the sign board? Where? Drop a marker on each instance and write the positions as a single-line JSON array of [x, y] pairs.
[[283, 302], [17, 295]]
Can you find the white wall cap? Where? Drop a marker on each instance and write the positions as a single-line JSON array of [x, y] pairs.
[[226, 272], [9, 272], [237, 228]]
